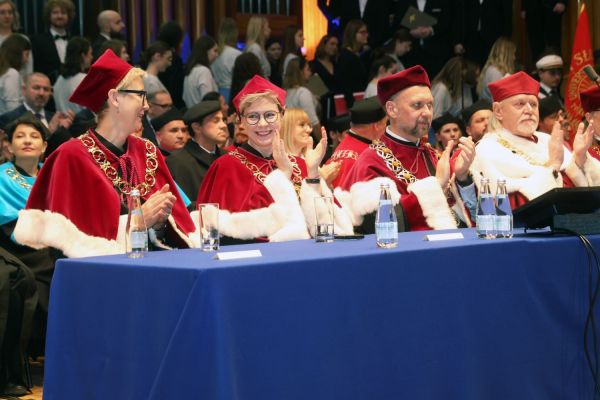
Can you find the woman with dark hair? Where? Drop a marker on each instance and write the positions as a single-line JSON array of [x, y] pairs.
[[398, 46], [245, 67], [325, 62], [77, 61], [118, 47], [350, 68], [274, 50], [14, 53], [172, 34], [293, 40], [155, 59], [198, 78], [382, 67]]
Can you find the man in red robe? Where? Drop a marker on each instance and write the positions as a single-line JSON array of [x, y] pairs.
[[368, 121], [78, 204], [530, 162], [421, 185], [590, 101]]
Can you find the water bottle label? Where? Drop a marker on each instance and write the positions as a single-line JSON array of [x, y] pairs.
[[485, 222], [386, 230], [503, 223], [139, 239], [385, 202]]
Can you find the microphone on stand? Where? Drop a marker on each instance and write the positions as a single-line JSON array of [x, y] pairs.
[[589, 71]]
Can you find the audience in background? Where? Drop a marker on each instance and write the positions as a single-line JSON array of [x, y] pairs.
[[14, 53], [198, 78], [257, 33], [156, 59], [77, 61], [222, 67]]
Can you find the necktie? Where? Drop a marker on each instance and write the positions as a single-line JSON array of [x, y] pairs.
[[63, 37]]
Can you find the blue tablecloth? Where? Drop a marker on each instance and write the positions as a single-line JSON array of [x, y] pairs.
[[461, 319]]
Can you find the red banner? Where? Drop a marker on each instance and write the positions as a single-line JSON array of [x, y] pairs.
[[578, 81]]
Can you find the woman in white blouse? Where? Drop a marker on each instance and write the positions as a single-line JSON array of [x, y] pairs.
[[198, 78], [298, 96], [257, 33], [500, 62], [77, 61], [222, 68], [156, 59], [14, 53]]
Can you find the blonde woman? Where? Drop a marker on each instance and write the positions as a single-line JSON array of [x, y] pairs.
[[451, 88], [500, 62], [94, 224], [257, 33], [295, 131]]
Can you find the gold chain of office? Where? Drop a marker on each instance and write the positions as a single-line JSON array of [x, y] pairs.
[[505, 143], [111, 172], [392, 162], [18, 178], [261, 176]]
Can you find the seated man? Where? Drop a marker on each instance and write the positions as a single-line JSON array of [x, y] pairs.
[[590, 101], [171, 131], [531, 162], [189, 165], [367, 121], [549, 69], [417, 179], [476, 118], [446, 127], [550, 112]]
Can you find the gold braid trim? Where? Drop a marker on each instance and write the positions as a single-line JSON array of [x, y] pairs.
[[393, 163], [596, 148], [505, 143], [261, 176], [18, 178], [344, 155], [112, 174]]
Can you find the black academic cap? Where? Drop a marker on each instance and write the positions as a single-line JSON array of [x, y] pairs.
[[479, 105], [201, 110], [339, 123], [549, 105], [366, 111], [172, 115], [447, 118]]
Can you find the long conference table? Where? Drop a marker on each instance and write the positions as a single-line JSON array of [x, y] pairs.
[[459, 319]]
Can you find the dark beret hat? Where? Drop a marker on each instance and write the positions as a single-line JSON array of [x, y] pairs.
[[199, 111], [172, 115], [366, 111]]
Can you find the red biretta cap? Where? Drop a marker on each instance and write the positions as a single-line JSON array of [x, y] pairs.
[[105, 74], [258, 84], [590, 99], [519, 83], [389, 86]]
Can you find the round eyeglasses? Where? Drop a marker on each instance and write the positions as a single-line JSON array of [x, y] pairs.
[[270, 117]]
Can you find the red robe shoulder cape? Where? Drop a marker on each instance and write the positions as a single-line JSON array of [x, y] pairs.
[[347, 153], [74, 206], [254, 207], [423, 201]]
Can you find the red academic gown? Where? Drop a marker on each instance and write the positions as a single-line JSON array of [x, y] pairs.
[[419, 160], [595, 151], [236, 181], [72, 184], [347, 153]]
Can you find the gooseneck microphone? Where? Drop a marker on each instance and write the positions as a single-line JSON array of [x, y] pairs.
[[589, 71]]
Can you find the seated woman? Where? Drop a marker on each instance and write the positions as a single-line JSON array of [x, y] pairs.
[[78, 203], [257, 184], [295, 131], [27, 143]]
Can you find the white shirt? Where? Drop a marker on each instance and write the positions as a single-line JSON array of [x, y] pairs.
[[61, 44], [362, 4], [63, 88], [222, 67], [10, 90], [301, 97], [421, 5], [255, 49], [41, 113], [196, 84]]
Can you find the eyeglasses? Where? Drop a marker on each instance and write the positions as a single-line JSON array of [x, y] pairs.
[[270, 117], [141, 93], [163, 106]]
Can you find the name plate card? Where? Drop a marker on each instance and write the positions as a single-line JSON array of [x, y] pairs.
[[444, 236], [236, 255]]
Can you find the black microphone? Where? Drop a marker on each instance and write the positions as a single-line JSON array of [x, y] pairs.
[[589, 71]]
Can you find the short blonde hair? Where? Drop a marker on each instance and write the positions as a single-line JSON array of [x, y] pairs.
[[291, 118], [251, 98], [126, 81]]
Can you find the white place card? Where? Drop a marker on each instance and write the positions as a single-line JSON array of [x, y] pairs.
[[444, 236], [235, 255]]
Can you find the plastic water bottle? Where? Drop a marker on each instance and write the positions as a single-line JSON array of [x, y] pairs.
[[504, 217], [137, 233], [386, 224], [486, 211]]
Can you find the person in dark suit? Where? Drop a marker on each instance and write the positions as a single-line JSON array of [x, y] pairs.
[[376, 14], [480, 25], [543, 21], [110, 26], [432, 45], [49, 48], [208, 128], [36, 92]]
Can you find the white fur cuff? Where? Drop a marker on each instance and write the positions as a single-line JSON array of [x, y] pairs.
[[433, 203]]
